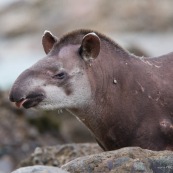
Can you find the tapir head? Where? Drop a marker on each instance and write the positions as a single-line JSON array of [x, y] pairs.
[[59, 80]]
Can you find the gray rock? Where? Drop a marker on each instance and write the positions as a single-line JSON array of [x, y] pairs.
[[60, 154], [40, 169], [130, 159], [6, 164]]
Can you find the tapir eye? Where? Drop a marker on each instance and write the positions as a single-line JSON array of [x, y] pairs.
[[60, 75]]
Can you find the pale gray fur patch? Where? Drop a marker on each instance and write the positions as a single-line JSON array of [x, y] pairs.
[[32, 84], [56, 98], [142, 88]]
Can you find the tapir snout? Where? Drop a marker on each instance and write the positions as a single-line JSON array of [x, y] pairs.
[[59, 80], [22, 96], [31, 100]]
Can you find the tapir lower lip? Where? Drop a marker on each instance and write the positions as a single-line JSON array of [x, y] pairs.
[[32, 102]]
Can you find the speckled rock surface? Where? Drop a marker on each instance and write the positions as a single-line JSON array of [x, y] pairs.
[[125, 160], [40, 169], [60, 154]]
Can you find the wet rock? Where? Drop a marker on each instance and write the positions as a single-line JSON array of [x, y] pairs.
[[40, 169], [60, 154], [130, 159]]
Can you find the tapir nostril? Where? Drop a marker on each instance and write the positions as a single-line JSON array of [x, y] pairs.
[[15, 97]]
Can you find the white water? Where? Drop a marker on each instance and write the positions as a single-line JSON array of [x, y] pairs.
[[15, 56]]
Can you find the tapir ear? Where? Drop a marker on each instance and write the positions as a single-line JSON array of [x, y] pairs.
[[48, 40], [90, 46]]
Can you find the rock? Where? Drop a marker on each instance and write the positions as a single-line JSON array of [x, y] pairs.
[[40, 169], [60, 154], [6, 164], [130, 159]]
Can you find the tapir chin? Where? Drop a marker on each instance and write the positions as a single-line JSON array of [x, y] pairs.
[[123, 99]]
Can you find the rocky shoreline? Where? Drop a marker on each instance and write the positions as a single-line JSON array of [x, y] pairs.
[[125, 160]]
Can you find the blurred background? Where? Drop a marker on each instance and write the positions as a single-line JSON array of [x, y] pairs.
[[145, 28]]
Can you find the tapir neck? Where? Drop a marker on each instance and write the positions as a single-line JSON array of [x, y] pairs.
[[108, 75]]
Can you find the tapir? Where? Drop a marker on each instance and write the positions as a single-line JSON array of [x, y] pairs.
[[123, 99]]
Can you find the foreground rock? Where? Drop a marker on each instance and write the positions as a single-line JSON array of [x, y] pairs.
[[40, 169], [134, 160], [60, 154], [94, 160]]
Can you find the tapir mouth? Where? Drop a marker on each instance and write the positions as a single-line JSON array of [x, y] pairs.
[[30, 101]]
